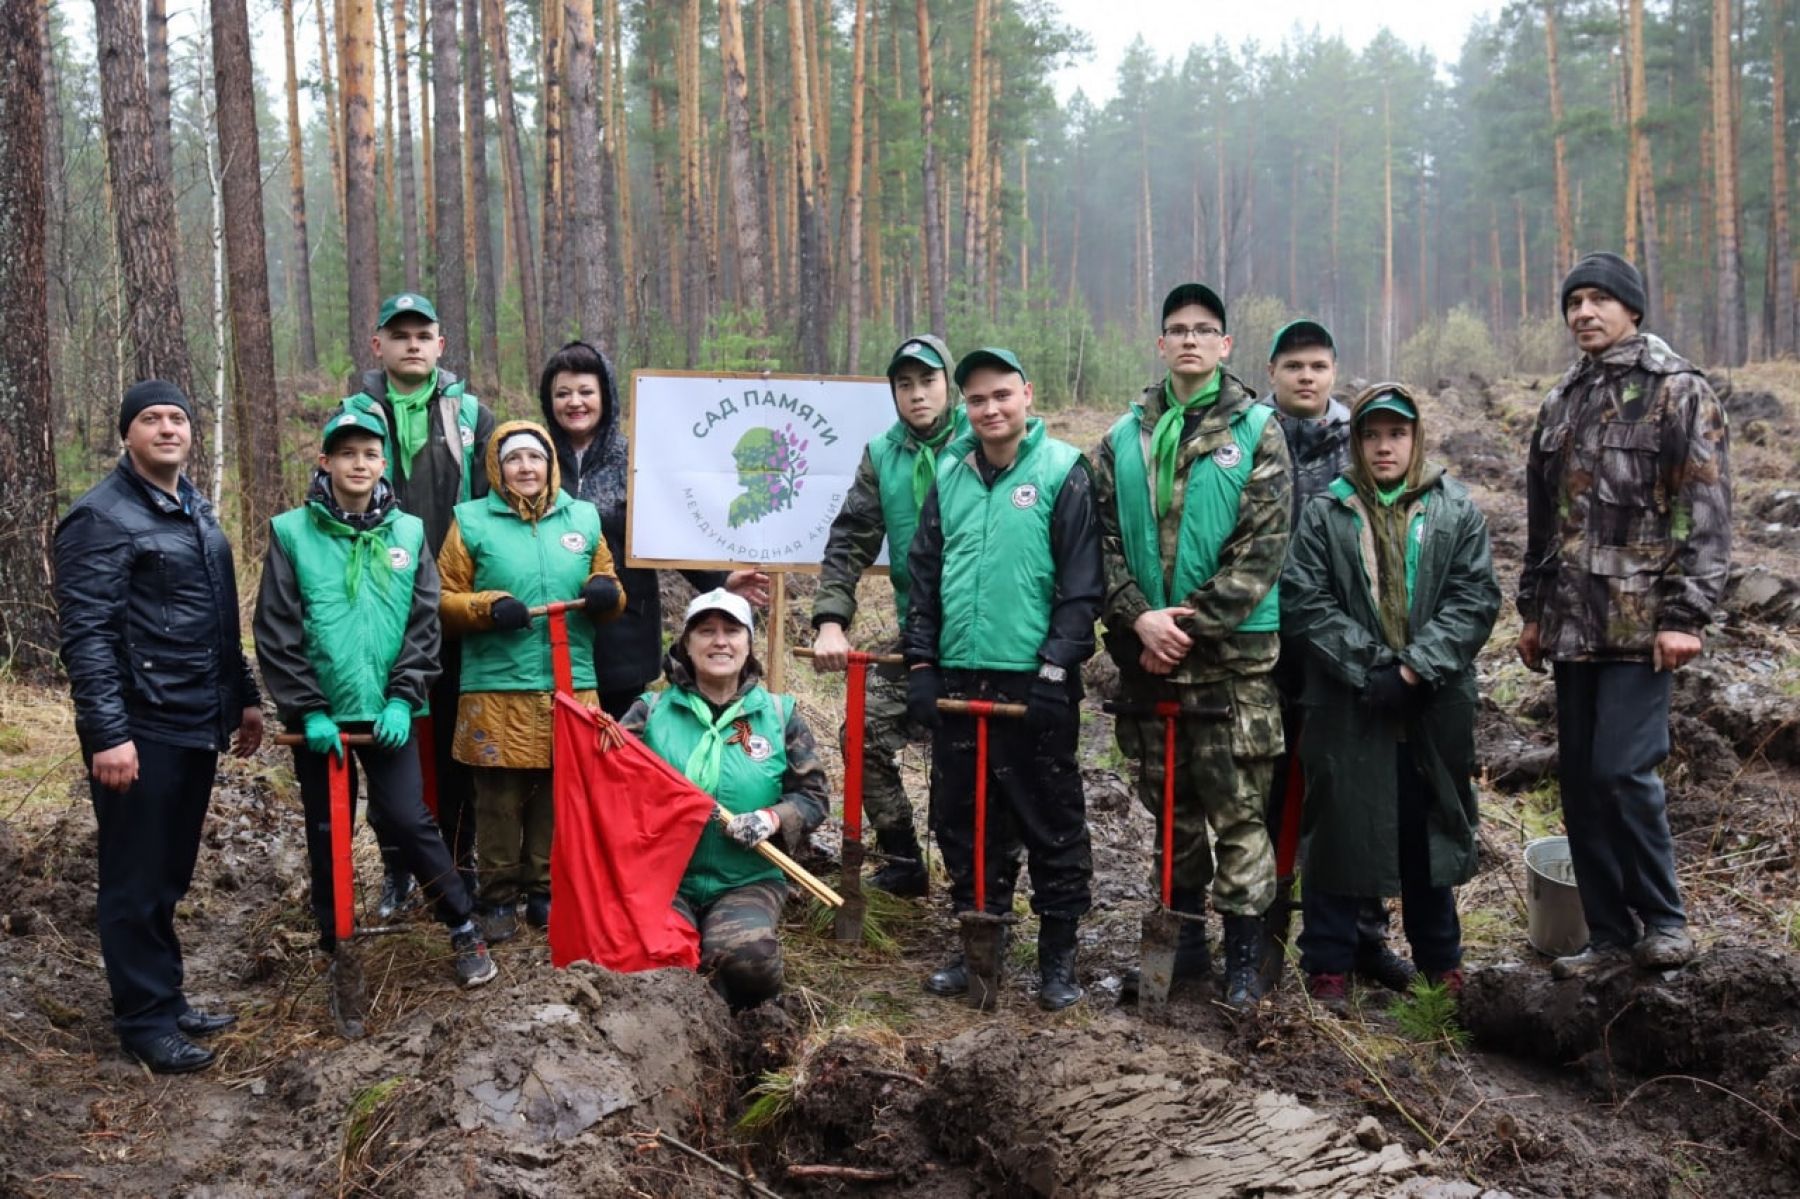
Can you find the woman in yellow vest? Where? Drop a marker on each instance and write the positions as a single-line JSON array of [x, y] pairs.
[[524, 544], [751, 750]]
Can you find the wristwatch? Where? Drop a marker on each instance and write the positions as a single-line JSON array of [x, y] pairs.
[[1050, 672]]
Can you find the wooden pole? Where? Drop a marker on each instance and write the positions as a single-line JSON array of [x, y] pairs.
[[777, 631]]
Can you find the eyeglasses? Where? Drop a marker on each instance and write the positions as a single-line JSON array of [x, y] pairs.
[[1197, 332]]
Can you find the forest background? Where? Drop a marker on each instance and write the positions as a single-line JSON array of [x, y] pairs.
[[726, 185]]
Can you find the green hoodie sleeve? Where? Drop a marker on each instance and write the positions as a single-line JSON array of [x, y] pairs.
[[852, 547]]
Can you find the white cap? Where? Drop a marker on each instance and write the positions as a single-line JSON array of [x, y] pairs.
[[720, 600], [524, 439]]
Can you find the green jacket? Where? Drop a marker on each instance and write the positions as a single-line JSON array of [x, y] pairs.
[[1328, 612], [880, 506], [537, 562], [1248, 559], [997, 548], [346, 620]]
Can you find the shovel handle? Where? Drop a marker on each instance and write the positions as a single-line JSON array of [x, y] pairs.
[[980, 707], [803, 651], [558, 606], [1164, 710], [346, 738]]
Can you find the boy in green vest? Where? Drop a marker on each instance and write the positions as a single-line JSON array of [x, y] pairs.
[[347, 636], [896, 471], [1192, 486], [1006, 579], [435, 446]]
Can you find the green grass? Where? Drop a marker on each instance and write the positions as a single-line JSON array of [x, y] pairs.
[[770, 1101], [359, 1119]]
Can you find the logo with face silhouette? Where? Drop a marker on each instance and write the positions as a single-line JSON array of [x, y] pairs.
[[771, 465]]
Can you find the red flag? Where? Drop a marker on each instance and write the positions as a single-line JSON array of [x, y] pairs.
[[626, 825]]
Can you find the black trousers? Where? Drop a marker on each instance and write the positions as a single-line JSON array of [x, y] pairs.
[[616, 703], [149, 839], [397, 811], [1372, 913], [455, 785], [1332, 930], [1034, 797], [1612, 729]]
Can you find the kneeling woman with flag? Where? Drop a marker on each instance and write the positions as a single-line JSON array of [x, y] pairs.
[[749, 749], [526, 543]]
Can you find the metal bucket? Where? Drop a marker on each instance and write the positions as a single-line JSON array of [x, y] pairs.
[[1554, 923]]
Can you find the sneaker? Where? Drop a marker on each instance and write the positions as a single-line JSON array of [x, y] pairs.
[[1594, 960], [499, 922], [1382, 966], [1451, 980], [1331, 990], [398, 893], [1663, 948], [473, 965], [537, 911]]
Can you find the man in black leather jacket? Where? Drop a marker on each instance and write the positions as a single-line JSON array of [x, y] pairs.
[[146, 597]]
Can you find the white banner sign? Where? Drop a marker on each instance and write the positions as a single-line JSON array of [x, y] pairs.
[[745, 469]]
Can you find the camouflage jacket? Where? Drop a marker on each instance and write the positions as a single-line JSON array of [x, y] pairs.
[[1628, 504], [1249, 562], [852, 547], [1318, 448]]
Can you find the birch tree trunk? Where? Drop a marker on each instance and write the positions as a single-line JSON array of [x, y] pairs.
[[27, 459]]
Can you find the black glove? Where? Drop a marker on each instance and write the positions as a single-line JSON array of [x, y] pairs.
[[509, 613], [600, 596], [1049, 707], [1386, 691], [922, 690]]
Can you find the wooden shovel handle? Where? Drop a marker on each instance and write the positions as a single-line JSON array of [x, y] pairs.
[[348, 739], [980, 707], [558, 606], [801, 651]]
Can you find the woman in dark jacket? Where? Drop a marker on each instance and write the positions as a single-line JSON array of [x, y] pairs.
[[1389, 590], [581, 409]]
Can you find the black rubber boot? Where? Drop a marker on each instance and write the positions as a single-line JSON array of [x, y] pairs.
[[903, 873], [1243, 957], [949, 980], [1057, 988]]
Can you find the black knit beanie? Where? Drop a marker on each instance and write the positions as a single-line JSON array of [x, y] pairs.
[[1612, 275], [149, 394]]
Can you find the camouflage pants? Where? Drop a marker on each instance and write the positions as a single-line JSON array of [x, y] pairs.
[[1223, 769], [739, 945], [886, 731]]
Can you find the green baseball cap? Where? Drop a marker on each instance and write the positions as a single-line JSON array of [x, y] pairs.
[[1389, 401], [914, 350], [353, 420], [989, 356], [406, 302], [1293, 331]]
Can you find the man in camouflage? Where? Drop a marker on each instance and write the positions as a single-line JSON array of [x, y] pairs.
[[1193, 491], [1316, 426], [896, 471], [1628, 509]]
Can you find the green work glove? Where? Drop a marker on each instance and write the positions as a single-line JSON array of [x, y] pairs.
[[394, 725], [322, 736]]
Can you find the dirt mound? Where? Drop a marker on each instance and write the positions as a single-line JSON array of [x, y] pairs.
[[1731, 1021], [1071, 1112]]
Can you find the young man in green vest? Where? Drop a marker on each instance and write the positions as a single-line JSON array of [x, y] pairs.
[[896, 471], [435, 447], [1192, 487], [347, 636], [1006, 579]]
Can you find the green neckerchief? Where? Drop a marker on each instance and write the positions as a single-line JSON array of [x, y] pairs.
[[412, 419], [1165, 441], [368, 552], [1388, 496], [702, 767], [925, 463]]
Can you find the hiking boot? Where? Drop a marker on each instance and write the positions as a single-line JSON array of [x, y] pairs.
[[1451, 980], [1594, 960], [537, 912], [1329, 990], [1243, 961], [499, 922], [903, 873], [1663, 948], [473, 965], [1057, 988], [949, 980], [398, 893], [1382, 966]]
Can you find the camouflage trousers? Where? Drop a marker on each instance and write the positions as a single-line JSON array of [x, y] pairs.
[[886, 731], [740, 947], [1223, 769]]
